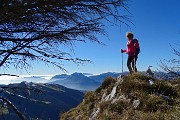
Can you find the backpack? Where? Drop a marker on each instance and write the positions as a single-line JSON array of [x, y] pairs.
[[136, 44]]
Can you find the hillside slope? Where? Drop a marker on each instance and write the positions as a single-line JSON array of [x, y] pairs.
[[134, 97], [40, 101]]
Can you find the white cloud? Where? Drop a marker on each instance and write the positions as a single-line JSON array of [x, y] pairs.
[[8, 79]]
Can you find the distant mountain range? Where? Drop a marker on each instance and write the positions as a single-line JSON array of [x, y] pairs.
[[80, 81], [88, 82], [40, 101], [76, 81], [84, 81]]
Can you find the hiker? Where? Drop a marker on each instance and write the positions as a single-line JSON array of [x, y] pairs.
[[132, 50]]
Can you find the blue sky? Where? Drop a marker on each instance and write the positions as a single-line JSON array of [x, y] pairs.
[[156, 26]]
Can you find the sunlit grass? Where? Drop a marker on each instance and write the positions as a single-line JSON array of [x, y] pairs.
[[158, 101]]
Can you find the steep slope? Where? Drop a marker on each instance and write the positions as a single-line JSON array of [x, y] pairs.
[[129, 97], [41, 101]]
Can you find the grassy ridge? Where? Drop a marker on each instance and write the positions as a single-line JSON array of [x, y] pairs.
[[158, 101]]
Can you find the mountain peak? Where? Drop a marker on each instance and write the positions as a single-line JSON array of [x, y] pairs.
[[23, 84], [77, 74]]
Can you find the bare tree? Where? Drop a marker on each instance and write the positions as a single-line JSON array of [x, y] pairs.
[[173, 65], [35, 29]]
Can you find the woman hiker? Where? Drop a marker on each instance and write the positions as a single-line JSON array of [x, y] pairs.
[[132, 46]]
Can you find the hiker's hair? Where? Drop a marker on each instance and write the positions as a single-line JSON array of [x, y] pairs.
[[129, 35]]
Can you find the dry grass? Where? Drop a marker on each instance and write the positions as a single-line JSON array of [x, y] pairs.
[[159, 101]]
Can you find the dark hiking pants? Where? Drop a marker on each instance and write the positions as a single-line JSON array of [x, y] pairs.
[[131, 63]]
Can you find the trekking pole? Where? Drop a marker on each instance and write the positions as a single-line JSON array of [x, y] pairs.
[[122, 62], [134, 62]]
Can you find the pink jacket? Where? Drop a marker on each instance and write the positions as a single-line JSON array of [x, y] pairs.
[[130, 50]]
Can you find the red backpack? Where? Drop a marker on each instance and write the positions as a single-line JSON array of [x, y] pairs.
[[136, 44]]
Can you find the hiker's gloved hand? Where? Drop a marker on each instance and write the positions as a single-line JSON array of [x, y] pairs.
[[121, 50]]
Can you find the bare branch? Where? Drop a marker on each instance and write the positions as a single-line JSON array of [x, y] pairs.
[[173, 65], [37, 30], [20, 115]]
